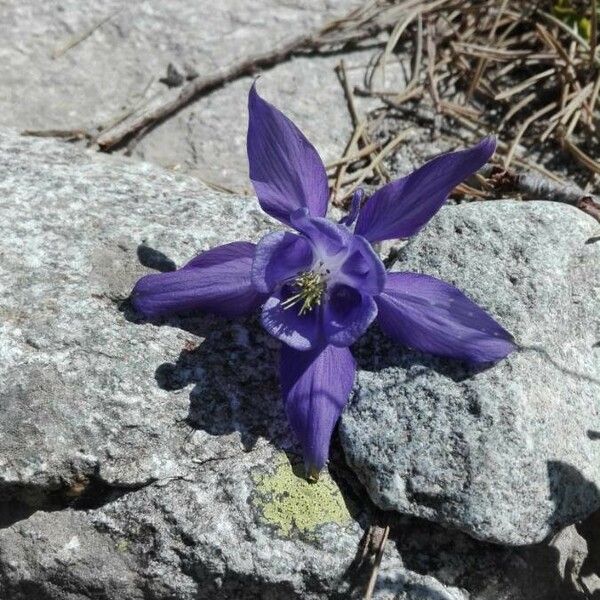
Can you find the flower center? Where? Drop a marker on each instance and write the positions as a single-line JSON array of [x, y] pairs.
[[309, 287]]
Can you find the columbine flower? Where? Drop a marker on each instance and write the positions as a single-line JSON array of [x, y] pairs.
[[321, 285]]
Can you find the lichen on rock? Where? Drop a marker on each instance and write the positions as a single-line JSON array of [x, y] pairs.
[[293, 505]]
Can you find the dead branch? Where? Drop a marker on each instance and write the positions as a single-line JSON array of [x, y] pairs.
[[538, 187], [307, 42]]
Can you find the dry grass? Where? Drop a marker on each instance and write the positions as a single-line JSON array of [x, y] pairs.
[[528, 72]]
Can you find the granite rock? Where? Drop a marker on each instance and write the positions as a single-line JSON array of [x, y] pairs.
[[155, 456], [231, 528], [153, 460], [439, 563], [119, 67], [146, 459], [508, 453]]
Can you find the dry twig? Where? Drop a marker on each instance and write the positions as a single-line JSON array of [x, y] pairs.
[[381, 534], [77, 39], [358, 26]]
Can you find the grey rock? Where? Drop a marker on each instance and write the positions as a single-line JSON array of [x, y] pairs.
[[146, 461], [119, 66], [156, 454], [136, 460], [399, 584], [507, 454], [208, 138], [441, 564], [220, 532], [78, 378]]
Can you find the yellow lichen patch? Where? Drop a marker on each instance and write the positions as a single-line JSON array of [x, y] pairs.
[[287, 501]]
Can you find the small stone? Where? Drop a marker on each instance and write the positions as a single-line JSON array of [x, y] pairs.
[[174, 77], [190, 71]]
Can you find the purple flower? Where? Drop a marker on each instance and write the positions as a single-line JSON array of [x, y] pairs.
[[321, 285]]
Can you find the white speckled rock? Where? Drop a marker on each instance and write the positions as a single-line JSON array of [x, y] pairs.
[[119, 67], [95, 406], [139, 461], [508, 454], [400, 585]]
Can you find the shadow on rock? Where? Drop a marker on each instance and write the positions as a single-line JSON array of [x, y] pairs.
[[154, 259], [565, 567], [571, 493], [590, 531], [487, 571], [376, 351], [559, 366], [233, 371]]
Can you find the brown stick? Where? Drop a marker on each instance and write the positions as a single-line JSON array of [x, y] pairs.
[[537, 187], [65, 134], [481, 63], [594, 33], [377, 564], [305, 42]]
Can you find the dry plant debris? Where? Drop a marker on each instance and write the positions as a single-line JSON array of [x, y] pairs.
[[362, 24], [528, 72]]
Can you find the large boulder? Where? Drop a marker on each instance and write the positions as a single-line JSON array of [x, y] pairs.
[[157, 463], [507, 453], [146, 461], [118, 67]]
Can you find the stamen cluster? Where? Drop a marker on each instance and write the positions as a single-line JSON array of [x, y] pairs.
[[309, 287]]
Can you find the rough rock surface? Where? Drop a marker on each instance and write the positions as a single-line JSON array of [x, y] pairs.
[[120, 64], [95, 406], [444, 564], [139, 461], [508, 454]]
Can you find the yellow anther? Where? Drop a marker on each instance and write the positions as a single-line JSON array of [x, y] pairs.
[[309, 287]]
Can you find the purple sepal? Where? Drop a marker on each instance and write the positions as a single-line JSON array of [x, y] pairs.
[[355, 203], [316, 386], [401, 208], [217, 281], [285, 169], [427, 314]]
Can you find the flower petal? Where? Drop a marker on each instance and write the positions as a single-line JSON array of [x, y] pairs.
[[316, 386], [278, 257], [346, 315], [401, 208], [285, 168], [349, 219], [433, 316], [217, 281], [302, 332], [362, 268]]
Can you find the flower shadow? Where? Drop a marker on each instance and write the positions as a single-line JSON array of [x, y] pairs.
[[231, 368], [376, 351], [234, 377]]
